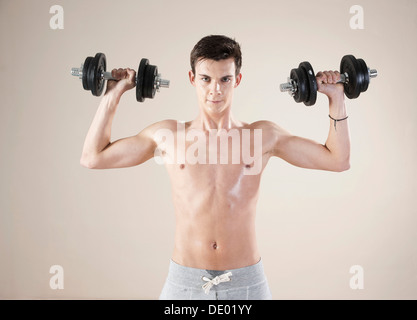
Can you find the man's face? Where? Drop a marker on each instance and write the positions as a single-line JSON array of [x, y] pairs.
[[215, 82]]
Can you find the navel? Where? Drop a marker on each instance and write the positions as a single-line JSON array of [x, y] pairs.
[[182, 166], [249, 166], [214, 245]]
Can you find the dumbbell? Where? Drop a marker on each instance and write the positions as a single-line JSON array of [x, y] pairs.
[[93, 75], [354, 74]]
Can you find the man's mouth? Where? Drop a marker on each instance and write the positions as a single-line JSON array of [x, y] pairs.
[[214, 101]]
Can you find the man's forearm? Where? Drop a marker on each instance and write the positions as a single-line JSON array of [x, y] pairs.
[[338, 141], [99, 134]]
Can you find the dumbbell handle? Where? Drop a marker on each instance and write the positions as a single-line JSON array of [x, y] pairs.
[[78, 72], [107, 76], [344, 78]]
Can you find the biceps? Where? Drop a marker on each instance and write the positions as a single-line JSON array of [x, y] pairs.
[[304, 153], [126, 152]]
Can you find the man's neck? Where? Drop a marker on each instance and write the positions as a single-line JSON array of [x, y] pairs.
[[206, 121]]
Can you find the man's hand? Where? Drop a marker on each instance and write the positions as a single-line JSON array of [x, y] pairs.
[[326, 83], [126, 81]]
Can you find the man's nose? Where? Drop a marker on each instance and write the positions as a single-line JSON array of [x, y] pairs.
[[215, 88]]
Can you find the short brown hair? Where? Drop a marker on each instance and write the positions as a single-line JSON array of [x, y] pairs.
[[216, 47]]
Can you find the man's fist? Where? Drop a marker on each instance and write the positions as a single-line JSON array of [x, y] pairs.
[[125, 80], [326, 84]]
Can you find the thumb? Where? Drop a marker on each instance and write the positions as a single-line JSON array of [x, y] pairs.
[[131, 75]]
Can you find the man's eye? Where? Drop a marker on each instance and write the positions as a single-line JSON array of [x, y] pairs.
[[205, 79], [226, 79]]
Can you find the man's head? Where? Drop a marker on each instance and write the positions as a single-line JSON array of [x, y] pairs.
[[216, 47], [215, 71]]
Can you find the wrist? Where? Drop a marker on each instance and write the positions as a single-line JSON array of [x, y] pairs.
[[113, 96], [337, 120], [337, 108], [110, 101], [337, 98]]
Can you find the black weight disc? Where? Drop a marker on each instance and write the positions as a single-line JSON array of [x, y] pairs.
[[153, 82], [311, 83], [85, 70], [305, 83], [91, 74], [100, 70], [139, 80], [298, 76], [151, 72], [94, 73], [350, 65], [364, 71]]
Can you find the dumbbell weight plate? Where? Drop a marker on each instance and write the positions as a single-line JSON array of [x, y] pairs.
[[98, 67], [311, 83], [350, 65], [306, 94], [151, 72], [102, 67], [85, 71], [140, 80], [90, 74], [365, 75], [298, 76]]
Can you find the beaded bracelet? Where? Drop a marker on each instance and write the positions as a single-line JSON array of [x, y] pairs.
[[336, 120]]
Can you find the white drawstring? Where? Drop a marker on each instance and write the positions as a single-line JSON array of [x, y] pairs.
[[215, 281]]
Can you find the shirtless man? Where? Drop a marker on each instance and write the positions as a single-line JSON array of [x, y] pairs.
[[215, 253]]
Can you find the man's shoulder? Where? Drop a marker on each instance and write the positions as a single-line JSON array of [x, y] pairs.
[[270, 130], [169, 124], [262, 124]]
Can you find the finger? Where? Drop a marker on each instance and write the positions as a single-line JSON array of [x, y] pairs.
[[319, 74], [320, 77], [131, 74], [336, 76], [115, 74], [333, 76], [329, 77], [123, 73], [118, 74], [324, 78]]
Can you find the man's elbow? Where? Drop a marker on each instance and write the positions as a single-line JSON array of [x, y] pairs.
[[88, 162], [342, 166]]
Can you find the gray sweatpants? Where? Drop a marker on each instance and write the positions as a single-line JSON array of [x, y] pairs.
[[184, 283]]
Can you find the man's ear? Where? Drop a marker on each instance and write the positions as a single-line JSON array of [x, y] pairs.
[[192, 77], [238, 80]]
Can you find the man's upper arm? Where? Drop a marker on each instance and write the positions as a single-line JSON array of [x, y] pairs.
[[298, 151], [130, 151]]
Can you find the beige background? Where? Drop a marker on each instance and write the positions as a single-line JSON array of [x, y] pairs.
[[112, 231]]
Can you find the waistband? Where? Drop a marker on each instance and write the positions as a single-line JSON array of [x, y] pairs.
[[193, 278]]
